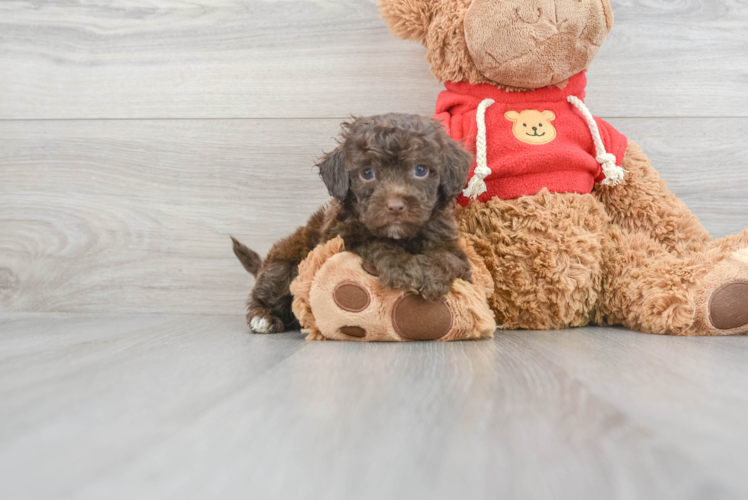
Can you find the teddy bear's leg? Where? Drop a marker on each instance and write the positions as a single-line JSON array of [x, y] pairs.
[[544, 255], [732, 243], [647, 288], [642, 203]]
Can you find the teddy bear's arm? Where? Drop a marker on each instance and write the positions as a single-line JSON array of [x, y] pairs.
[[642, 203]]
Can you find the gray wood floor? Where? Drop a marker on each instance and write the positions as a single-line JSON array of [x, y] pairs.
[[189, 406]]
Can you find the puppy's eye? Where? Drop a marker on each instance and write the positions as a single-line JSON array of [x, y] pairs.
[[420, 171], [368, 174]]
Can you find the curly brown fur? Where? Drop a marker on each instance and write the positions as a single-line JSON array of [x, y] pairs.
[[394, 179]]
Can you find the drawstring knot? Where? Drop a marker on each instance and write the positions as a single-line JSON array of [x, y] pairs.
[[477, 185], [613, 173]]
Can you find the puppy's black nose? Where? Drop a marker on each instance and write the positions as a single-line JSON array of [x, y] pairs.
[[395, 206]]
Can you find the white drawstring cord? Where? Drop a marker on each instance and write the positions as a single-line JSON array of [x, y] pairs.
[[613, 173], [477, 185]]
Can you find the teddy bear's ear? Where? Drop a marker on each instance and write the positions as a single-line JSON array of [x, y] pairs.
[[608, 11], [407, 19], [549, 115]]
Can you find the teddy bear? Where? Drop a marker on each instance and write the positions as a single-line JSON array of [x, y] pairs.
[[569, 217]]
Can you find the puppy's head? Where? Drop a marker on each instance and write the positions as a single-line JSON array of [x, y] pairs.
[[395, 172]]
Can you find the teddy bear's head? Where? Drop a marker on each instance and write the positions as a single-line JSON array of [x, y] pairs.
[[516, 44]]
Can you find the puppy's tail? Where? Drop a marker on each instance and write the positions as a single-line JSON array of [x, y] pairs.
[[249, 258]]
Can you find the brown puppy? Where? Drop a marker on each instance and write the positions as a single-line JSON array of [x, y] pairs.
[[394, 179]]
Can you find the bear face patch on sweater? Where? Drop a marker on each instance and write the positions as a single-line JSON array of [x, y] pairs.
[[532, 127]]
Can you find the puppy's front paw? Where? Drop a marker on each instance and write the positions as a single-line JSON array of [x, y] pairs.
[[400, 278], [466, 273], [435, 286], [436, 279], [264, 322]]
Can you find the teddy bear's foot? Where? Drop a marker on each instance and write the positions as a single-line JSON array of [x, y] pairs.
[[263, 321], [412, 316], [728, 307], [722, 307], [339, 297]]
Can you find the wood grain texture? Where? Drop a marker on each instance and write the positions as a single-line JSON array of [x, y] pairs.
[[135, 215], [328, 58], [148, 207], [183, 407]]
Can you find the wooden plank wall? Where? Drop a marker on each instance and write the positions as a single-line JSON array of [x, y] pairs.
[[136, 135]]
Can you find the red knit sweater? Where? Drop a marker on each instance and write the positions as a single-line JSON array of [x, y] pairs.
[[534, 139]]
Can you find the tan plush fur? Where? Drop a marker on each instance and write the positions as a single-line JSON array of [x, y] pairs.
[[562, 260], [534, 43], [301, 286], [434, 23], [543, 253], [459, 35], [644, 204], [329, 265]]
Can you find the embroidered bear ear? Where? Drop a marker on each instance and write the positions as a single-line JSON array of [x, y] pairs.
[[549, 115], [512, 116], [407, 19]]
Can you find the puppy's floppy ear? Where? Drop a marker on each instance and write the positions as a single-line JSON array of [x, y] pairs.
[[407, 19], [456, 162], [334, 175]]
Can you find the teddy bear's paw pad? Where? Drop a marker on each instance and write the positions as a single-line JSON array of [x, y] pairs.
[[369, 268], [353, 331], [728, 307], [415, 318], [351, 297]]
